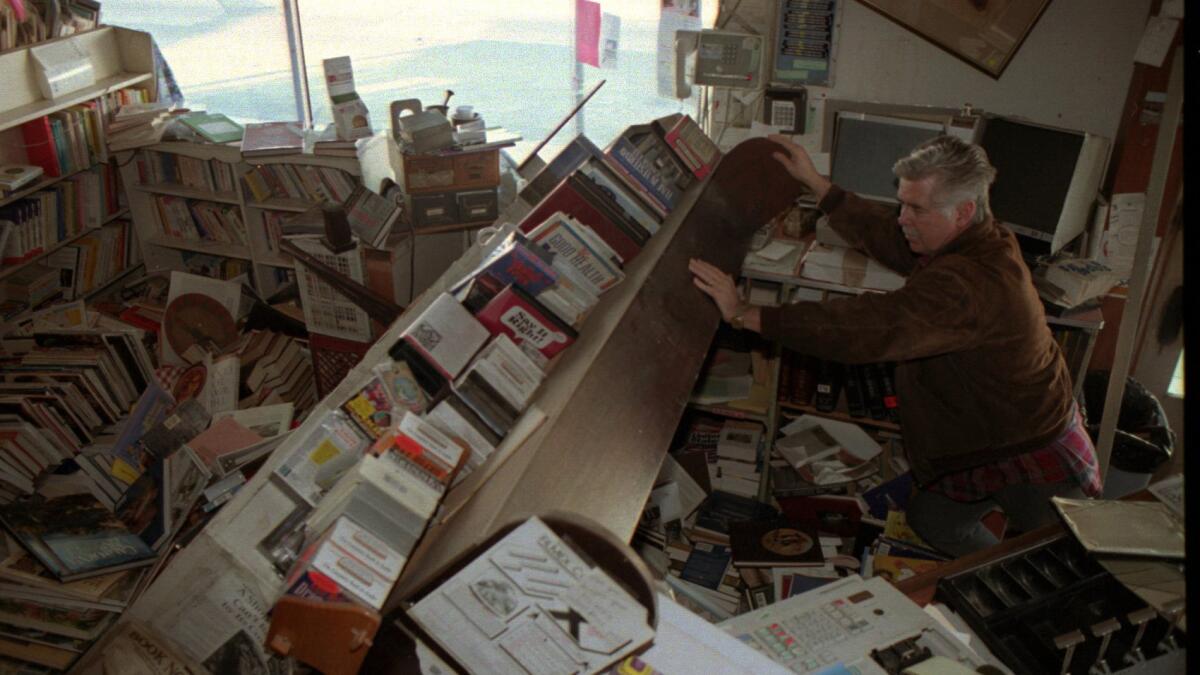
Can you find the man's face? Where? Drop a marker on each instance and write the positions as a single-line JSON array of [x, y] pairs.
[[928, 226]]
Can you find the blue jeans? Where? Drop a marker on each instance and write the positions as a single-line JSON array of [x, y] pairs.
[[954, 528]]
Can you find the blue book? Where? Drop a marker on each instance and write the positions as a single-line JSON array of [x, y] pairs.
[[642, 169], [150, 409], [706, 565], [529, 268]]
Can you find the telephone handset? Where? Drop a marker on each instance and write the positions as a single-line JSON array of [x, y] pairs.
[[723, 59]]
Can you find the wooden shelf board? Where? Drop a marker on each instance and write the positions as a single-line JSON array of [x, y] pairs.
[[32, 111], [190, 193], [209, 247], [282, 204], [276, 261], [795, 408], [726, 411]]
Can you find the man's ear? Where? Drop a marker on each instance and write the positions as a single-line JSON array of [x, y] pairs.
[[964, 213]]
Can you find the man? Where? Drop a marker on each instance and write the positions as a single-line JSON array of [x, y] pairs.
[[986, 406]]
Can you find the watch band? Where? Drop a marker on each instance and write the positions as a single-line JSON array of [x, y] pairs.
[[738, 321]]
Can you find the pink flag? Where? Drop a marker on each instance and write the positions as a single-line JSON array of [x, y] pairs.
[[587, 32]]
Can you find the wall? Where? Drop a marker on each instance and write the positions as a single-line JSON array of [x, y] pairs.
[[1072, 71]]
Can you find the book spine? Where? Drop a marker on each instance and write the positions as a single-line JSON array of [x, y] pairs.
[[873, 395], [891, 403], [855, 390], [39, 146], [830, 378]]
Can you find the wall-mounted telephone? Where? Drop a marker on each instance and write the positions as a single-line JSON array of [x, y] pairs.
[[786, 108], [723, 59]]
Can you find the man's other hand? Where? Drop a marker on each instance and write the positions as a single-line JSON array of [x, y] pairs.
[[797, 162], [717, 285]]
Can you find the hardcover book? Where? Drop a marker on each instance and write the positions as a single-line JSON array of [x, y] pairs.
[[517, 262], [446, 335], [455, 419], [577, 245], [75, 536], [779, 543], [570, 158], [568, 199], [516, 314], [213, 127], [272, 139]]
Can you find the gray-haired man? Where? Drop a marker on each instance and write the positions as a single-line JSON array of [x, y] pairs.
[[985, 397]]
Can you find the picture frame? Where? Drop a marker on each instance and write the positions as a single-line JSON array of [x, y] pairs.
[[984, 33]]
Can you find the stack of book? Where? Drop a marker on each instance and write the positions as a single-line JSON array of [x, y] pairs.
[[138, 124]]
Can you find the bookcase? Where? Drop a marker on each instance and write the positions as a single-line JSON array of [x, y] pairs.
[[83, 190]]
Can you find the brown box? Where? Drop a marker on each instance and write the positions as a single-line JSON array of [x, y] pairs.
[[422, 174]]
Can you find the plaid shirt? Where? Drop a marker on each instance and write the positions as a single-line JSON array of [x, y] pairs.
[[1070, 457]]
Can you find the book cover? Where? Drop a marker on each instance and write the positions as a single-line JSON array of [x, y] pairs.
[[519, 263], [400, 384], [446, 335], [213, 127], [39, 141], [266, 139], [487, 403], [570, 158], [856, 400], [75, 536], [515, 313], [567, 239], [707, 565], [720, 509], [606, 201], [872, 380], [641, 169], [566, 198], [837, 515], [760, 543], [830, 378], [371, 408]]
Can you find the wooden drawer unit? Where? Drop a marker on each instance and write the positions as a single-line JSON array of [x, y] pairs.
[[445, 173]]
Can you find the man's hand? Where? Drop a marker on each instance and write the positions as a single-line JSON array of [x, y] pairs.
[[797, 162], [717, 285]]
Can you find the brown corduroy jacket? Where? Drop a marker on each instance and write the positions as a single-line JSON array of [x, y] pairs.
[[978, 375]]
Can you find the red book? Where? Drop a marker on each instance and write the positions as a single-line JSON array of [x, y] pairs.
[[518, 315], [40, 147], [565, 198]]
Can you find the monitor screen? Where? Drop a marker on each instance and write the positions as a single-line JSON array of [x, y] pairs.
[[865, 147], [1034, 169]]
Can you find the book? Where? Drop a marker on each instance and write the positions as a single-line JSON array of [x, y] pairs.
[[782, 543], [837, 515], [830, 379], [577, 245], [707, 565], [693, 146], [445, 335], [856, 401], [213, 127], [272, 139], [567, 198], [75, 536], [516, 314], [873, 390], [570, 158], [719, 509]]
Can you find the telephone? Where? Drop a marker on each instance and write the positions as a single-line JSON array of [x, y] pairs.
[[786, 108], [723, 59]]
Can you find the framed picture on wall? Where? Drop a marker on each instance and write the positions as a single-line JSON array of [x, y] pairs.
[[984, 33]]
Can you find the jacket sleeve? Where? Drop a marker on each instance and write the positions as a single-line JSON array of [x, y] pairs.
[[935, 313], [869, 227]]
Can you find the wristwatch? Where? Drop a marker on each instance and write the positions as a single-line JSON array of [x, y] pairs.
[[738, 320]]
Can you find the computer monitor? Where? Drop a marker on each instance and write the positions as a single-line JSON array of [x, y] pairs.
[[1046, 180], [866, 146]]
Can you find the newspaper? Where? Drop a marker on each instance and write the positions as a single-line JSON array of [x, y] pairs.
[[531, 604]]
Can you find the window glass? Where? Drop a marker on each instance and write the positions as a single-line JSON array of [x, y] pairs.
[[512, 60], [228, 56]]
